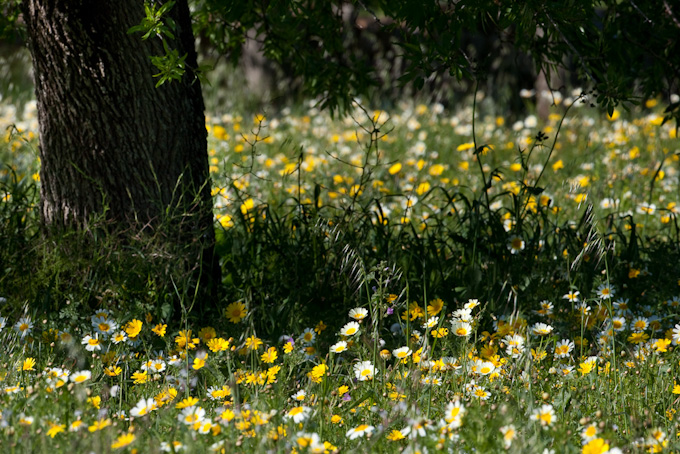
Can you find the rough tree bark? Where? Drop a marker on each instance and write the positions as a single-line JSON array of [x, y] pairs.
[[112, 145]]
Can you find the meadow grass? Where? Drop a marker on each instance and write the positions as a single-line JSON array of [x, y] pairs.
[[416, 280]]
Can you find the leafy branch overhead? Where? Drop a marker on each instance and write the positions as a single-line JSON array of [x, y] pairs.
[[154, 23], [622, 49], [157, 23]]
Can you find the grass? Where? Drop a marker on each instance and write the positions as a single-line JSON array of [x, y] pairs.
[[410, 280]]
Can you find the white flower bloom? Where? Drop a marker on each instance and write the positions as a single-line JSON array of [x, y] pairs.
[[461, 328], [358, 313], [104, 325], [364, 370], [191, 415], [515, 244], [453, 414], [563, 348], [339, 347], [471, 304], [81, 376], [483, 367], [618, 324], [676, 335], [464, 315], [544, 415], [639, 324], [350, 329], [402, 352], [92, 343], [541, 329], [299, 396], [298, 414], [431, 322], [509, 433], [24, 326], [143, 407], [360, 431]]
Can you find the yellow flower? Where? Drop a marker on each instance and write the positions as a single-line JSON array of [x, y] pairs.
[[140, 377], [94, 401], [288, 347], [320, 327], [270, 355], [586, 368], [99, 425], [29, 363], [422, 188], [538, 354], [76, 425], [165, 397], [271, 374], [436, 170], [220, 393], [253, 343], [207, 333], [413, 312], [439, 333], [236, 312], [113, 371], [55, 429], [198, 363], [395, 435], [133, 328], [394, 168], [159, 329], [185, 341], [218, 345], [661, 345], [188, 402], [123, 441], [636, 338], [248, 204], [595, 446], [434, 307], [318, 372]]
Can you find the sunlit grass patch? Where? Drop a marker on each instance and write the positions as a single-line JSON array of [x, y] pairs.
[[393, 281]]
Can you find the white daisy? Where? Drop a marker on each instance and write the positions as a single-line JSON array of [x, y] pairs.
[[339, 347], [80, 376], [298, 414], [92, 343], [364, 370], [24, 326], [460, 328], [402, 353], [360, 431], [563, 348], [350, 329], [191, 415], [143, 407], [358, 313]]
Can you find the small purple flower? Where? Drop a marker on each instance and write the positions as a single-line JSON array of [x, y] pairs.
[[346, 397], [390, 310]]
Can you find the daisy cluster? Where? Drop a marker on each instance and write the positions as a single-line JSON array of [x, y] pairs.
[[425, 380], [590, 365], [412, 151]]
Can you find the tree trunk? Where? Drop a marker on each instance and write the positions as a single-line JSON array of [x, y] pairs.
[[113, 147]]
